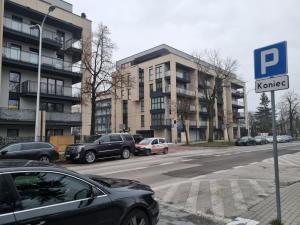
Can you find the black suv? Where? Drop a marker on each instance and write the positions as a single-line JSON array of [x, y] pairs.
[[42, 151], [108, 145], [33, 192]]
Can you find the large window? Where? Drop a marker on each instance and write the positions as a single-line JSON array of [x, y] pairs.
[[14, 104], [159, 86], [142, 120], [12, 132], [151, 73], [158, 72], [14, 81], [37, 189], [157, 103], [54, 132], [52, 107], [141, 91], [52, 86], [141, 76], [157, 119], [142, 105]]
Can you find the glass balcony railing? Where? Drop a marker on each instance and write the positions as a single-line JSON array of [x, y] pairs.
[[237, 92], [193, 123], [73, 43], [203, 124], [237, 103], [25, 28], [32, 57], [50, 89], [185, 92], [192, 108], [203, 110]]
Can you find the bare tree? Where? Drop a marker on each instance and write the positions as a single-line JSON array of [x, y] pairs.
[[219, 71], [97, 53], [290, 102]]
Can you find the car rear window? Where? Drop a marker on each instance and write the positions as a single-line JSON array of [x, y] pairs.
[[115, 137], [128, 137]]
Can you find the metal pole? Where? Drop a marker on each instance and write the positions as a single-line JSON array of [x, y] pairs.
[[275, 157]]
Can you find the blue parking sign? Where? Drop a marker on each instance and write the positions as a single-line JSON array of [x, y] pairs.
[[271, 60]]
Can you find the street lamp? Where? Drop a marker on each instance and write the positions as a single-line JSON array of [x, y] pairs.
[[40, 27]]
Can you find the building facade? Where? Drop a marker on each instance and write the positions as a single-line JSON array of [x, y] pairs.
[[167, 94], [60, 70]]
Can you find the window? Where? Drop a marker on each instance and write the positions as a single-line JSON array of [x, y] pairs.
[[15, 51], [157, 103], [13, 104], [128, 137], [141, 76], [105, 138], [141, 91], [142, 121], [151, 88], [54, 132], [158, 72], [159, 86], [162, 141], [37, 189], [14, 81], [52, 107], [129, 94], [29, 146], [158, 119], [13, 148], [142, 105], [61, 37], [12, 133], [5, 196], [115, 138], [16, 22], [154, 142], [150, 74]]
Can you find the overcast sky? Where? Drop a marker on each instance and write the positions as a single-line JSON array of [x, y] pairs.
[[234, 27]]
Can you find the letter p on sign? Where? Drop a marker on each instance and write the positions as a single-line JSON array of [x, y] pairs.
[[271, 60]]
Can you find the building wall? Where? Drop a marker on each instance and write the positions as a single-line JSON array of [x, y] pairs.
[[1, 39]]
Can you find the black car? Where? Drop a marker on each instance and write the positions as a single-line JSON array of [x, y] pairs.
[[137, 138], [247, 140], [108, 145], [33, 192], [41, 151]]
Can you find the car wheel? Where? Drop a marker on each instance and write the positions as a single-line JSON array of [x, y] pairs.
[[44, 158], [165, 151], [89, 157], [148, 152], [136, 217], [125, 153]]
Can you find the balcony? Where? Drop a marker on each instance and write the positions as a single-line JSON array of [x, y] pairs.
[[27, 116], [181, 77], [203, 111], [161, 124], [193, 124], [192, 108], [22, 32], [237, 104], [203, 124], [74, 48], [50, 91], [205, 84], [29, 60], [237, 94], [185, 92]]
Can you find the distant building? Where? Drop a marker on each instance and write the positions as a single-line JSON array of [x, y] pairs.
[[163, 77], [61, 69]]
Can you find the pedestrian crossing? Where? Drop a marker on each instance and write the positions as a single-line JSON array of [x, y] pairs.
[[289, 160], [217, 197]]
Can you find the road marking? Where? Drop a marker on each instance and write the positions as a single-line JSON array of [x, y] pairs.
[[122, 171], [220, 171], [167, 163], [218, 155], [254, 163], [187, 160], [170, 193], [237, 167], [259, 190], [191, 202], [239, 201], [216, 200], [287, 162]]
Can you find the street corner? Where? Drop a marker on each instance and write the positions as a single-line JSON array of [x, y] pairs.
[[171, 215]]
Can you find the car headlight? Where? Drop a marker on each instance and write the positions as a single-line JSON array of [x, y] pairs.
[[80, 148]]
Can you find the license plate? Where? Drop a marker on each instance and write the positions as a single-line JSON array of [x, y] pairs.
[[67, 156]]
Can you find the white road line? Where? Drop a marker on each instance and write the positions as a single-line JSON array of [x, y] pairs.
[[254, 163], [218, 155], [187, 160], [216, 199], [286, 162], [220, 171], [170, 193], [167, 163], [259, 190], [122, 171], [191, 202], [238, 167], [239, 201]]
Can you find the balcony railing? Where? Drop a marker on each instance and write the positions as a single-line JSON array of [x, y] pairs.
[[72, 43], [25, 28], [193, 123], [158, 123], [203, 110], [29, 115], [185, 92], [50, 89], [32, 57], [237, 92], [203, 124], [192, 108], [237, 103]]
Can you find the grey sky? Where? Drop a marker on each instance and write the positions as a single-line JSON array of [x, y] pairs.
[[234, 27]]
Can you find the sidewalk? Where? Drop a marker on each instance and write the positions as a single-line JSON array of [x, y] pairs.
[[265, 211]]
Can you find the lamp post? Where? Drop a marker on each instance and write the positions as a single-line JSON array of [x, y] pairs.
[[40, 27]]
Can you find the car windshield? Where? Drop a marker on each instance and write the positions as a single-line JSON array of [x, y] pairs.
[[145, 141]]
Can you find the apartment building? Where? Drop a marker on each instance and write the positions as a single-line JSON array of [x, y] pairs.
[[165, 82], [60, 70]]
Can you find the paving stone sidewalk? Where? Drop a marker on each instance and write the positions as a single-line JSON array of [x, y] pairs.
[[265, 211]]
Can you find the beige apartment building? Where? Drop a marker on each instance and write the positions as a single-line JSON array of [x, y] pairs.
[[60, 71], [163, 80]]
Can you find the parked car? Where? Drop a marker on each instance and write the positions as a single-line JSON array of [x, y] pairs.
[[247, 140], [269, 139], [149, 146], [137, 138], [42, 151], [41, 193], [260, 140], [108, 145], [288, 138]]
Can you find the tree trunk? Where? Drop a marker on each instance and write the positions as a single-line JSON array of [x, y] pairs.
[[93, 111], [291, 124], [210, 112], [186, 136]]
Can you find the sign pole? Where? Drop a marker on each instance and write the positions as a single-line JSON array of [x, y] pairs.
[[275, 157]]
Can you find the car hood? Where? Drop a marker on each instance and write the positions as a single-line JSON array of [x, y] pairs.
[[119, 183]]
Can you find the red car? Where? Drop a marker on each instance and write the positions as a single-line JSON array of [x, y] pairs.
[[148, 146]]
